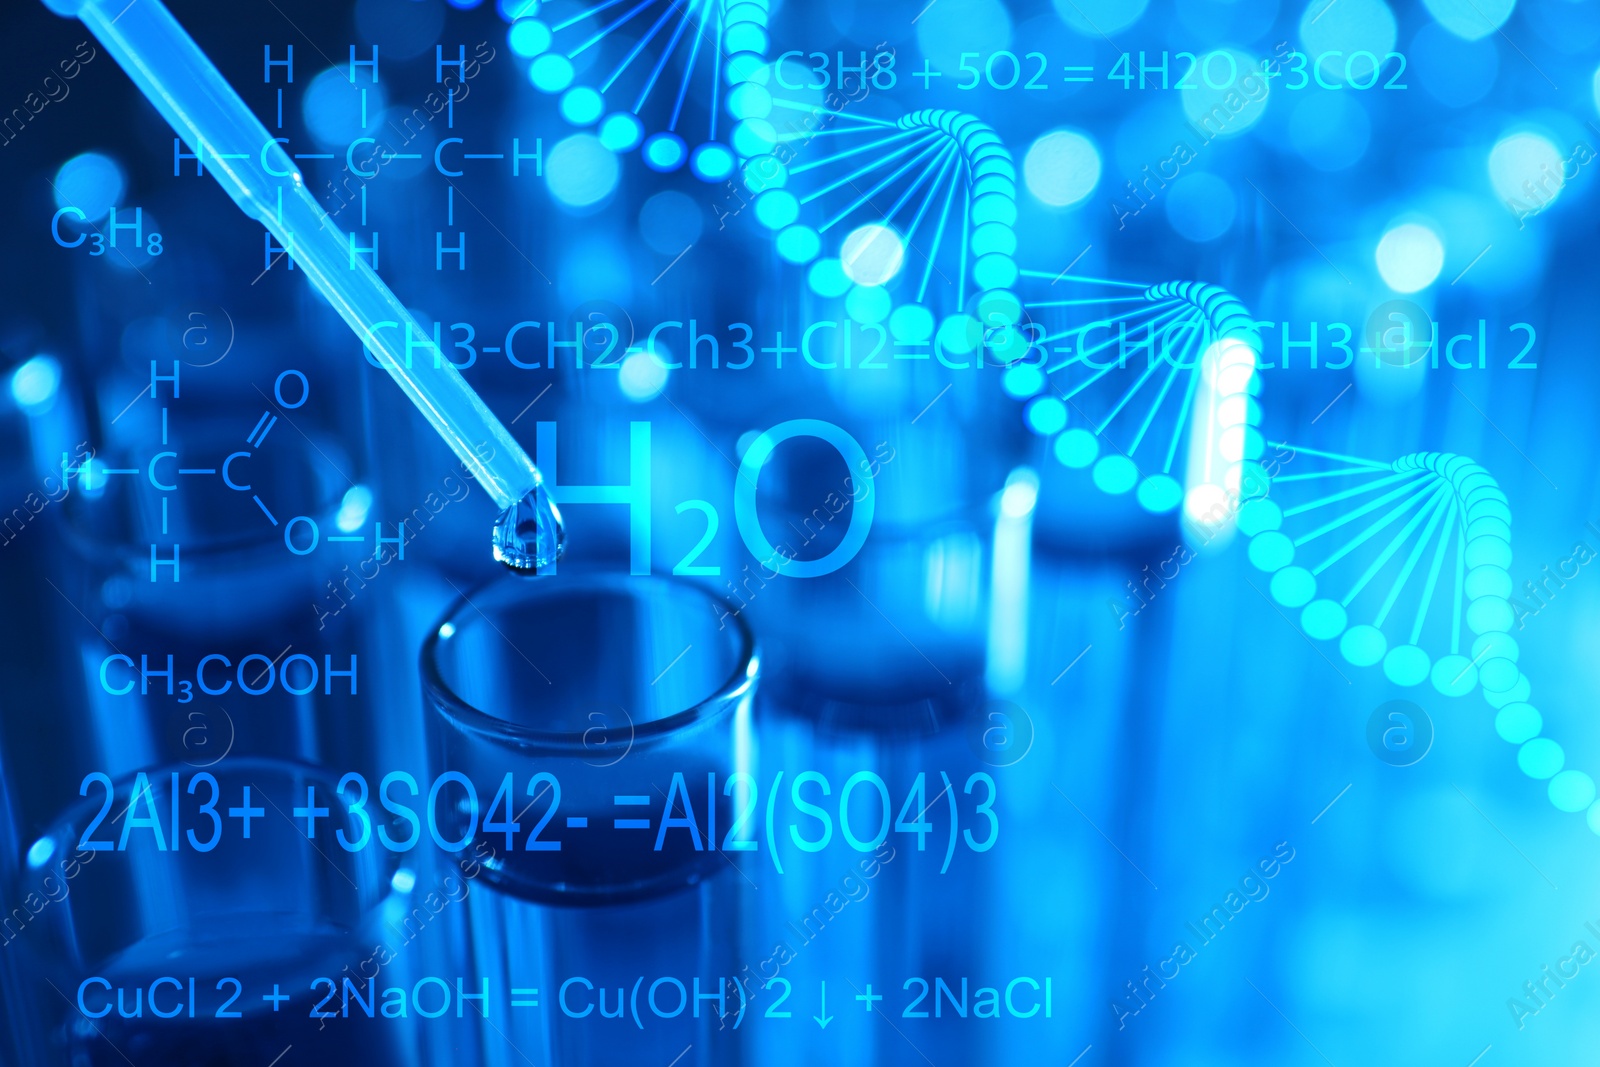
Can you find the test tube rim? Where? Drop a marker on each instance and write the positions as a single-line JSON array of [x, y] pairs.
[[463, 715]]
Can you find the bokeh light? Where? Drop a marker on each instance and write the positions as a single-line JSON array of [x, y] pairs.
[[642, 376], [34, 384], [333, 107], [872, 254], [1525, 171], [1363, 31], [1100, 18], [949, 28], [92, 183], [1061, 168], [581, 171], [354, 507], [1410, 257], [1471, 19], [1229, 94]]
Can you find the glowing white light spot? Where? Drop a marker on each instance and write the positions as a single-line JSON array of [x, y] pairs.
[[1470, 19], [1338, 33], [1410, 257], [1061, 168], [1525, 170], [354, 508], [581, 170], [40, 851], [872, 254], [1019, 497], [34, 384], [642, 376]]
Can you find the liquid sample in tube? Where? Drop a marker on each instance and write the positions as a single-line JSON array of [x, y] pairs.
[[529, 534]]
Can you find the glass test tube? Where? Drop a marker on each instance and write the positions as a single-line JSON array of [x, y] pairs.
[[878, 668], [605, 703], [140, 951], [241, 578]]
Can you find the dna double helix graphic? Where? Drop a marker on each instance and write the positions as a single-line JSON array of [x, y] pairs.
[[1403, 565], [676, 66], [909, 219]]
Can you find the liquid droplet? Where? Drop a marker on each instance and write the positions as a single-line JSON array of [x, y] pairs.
[[529, 535]]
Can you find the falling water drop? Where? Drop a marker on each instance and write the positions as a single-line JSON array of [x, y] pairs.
[[529, 535]]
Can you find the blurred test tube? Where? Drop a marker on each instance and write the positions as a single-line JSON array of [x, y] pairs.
[[587, 707]]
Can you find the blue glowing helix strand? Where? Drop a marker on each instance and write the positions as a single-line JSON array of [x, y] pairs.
[[1404, 564], [651, 74], [1407, 565], [910, 219], [1152, 387]]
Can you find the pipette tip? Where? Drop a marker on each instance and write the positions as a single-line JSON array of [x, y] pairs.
[[529, 534]]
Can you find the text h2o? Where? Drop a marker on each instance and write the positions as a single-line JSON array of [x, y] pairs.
[[746, 513]]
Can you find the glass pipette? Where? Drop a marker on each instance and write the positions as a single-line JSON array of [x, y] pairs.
[[256, 171]]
